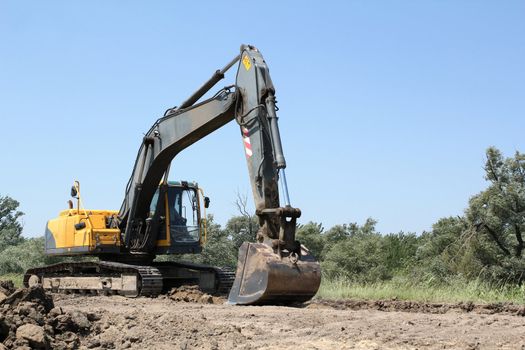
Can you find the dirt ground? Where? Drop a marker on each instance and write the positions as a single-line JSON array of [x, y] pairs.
[[170, 322]]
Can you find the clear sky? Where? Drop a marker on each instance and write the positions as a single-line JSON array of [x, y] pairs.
[[386, 107]]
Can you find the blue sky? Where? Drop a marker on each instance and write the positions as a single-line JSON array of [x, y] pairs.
[[386, 107]]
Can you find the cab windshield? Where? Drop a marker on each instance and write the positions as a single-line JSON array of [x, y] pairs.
[[183, 214]]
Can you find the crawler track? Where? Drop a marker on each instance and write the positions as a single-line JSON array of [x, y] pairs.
[[107, 277], [223, 276], [98, 277]]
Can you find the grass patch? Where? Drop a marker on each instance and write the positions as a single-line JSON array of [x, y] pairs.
[[17, 278], [455, 291]]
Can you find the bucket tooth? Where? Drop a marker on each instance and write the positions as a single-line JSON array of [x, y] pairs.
[[263, 277]]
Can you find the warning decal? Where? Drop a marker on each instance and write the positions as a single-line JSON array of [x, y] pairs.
[[247, 143], [246, 62]]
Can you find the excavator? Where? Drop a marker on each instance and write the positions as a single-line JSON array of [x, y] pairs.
[[161, 217]]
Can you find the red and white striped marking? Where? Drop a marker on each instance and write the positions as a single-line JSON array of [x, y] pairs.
[[247, 143]]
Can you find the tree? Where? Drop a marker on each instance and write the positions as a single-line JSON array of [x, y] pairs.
[[219, 249], [242, 228], [496, 217], [357, 259], [27, 254], [355, 252], [340, 233], [444, 251], [399, 250], [10, 227], [311, 236], [499, 211]]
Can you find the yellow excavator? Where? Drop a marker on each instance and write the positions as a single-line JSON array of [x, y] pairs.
[[160, 217]]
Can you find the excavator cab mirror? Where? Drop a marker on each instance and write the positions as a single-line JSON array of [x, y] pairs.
[[206, 202], [74, 191]]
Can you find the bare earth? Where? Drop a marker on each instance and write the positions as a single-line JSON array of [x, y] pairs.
[[164, 323]]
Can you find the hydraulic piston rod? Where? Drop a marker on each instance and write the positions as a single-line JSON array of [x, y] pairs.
[[278, 154], [218, 75], [280, 162], [284, 185]]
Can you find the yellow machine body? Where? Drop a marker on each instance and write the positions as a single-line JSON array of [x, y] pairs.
[[81, 231], [84, 231]]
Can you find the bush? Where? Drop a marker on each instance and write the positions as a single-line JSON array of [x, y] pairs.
[[28, 254], [311, 236]]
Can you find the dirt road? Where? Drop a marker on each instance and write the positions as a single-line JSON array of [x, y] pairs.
[[163, 323]]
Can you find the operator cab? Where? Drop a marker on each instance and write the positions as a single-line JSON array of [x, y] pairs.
[[182, 218]]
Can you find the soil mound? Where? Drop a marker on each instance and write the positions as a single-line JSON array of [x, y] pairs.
[[419, 307], [192, 294], [29, 320]]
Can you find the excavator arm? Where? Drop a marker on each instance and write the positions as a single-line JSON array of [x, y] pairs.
[[166, 138], [277, 267]]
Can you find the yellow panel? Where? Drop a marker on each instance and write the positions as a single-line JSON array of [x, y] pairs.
[[67, 238]]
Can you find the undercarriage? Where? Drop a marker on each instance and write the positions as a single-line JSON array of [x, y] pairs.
[[130, 280]]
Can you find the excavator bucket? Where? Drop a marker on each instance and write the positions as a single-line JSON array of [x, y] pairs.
[[263, 277]]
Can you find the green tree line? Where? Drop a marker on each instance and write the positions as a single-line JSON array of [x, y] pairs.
[[484, 243]]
